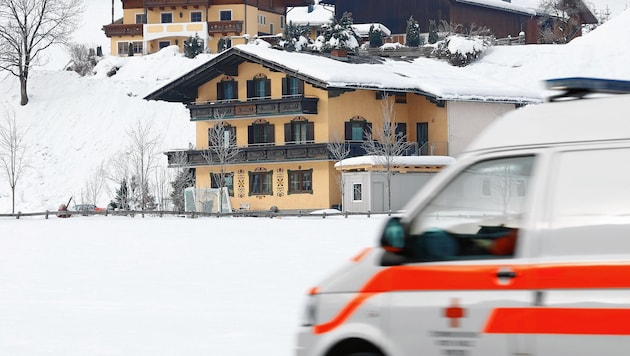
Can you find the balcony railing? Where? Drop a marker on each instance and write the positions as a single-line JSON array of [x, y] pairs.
[[250, 154], [267, 153], [156, 3], [225, 26], [234, 109], [123, 30], [158, 30]]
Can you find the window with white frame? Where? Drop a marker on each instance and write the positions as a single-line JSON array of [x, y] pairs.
[[225, 15], [262, 19], [141, 18], [166, 17], [130, 47], [357, 191], [281, 21], [195, 16]]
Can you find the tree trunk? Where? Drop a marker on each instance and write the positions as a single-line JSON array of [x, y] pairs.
[[23, 93], [12, 200]]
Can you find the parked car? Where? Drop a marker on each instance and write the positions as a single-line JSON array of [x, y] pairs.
[[84, 209]]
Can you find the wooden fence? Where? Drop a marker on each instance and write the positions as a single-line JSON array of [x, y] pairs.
[[192, 215]]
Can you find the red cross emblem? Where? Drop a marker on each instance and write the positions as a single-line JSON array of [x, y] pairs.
[[454, 313]]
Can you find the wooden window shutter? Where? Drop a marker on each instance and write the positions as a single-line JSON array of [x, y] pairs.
[[348, 130], [367, 129], [310, 131], [270, 133], [301, 87], [250, 134], [220, 91], [250, 89], [267, 87], [285, 87], [287, 132]]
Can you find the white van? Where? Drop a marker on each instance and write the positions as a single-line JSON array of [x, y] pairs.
[[522, 247]]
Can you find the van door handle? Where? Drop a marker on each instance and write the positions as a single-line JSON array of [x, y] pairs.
[[506, 273]]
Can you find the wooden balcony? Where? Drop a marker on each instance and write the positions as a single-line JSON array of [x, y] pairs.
[[264, 154], [234, 109], [214, 27], [164, 3], [225, 27], [123, 30]]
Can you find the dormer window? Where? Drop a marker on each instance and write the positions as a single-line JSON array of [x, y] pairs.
[[227, 89], [259, 87], [357, 129], [292, 86]]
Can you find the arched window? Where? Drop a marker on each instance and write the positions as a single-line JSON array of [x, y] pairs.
[[227, 89], [260, 132], [259, 87], [357, 128], [299, 130], [292, 86]]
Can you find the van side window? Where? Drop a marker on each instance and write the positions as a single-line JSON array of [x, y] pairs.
[[590, 204], [477, 215]]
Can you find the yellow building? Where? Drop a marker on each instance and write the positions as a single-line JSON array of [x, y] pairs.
[[284, 108], [150, 25]]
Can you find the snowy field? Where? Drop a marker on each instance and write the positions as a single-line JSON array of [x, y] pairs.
[[165, 286]]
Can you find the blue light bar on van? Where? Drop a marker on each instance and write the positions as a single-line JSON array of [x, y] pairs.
[[591, 85]]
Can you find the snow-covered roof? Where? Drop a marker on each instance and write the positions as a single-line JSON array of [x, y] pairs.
[[423, 75], [400, 161], [363, 29], [314, 15], [521, 7], [433, 78]]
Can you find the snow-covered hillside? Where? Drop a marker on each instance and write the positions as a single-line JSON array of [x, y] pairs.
[[77, 124]]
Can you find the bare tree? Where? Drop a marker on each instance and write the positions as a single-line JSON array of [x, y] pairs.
[[339, 150], [28, 27], [183, 179], [93, 187], [144, 155], [13, 152], [221, 152], [385, 143]]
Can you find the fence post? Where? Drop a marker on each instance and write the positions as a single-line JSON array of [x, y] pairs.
[[346, 214], [18, 215], [46, 214], [368, 215], [324, 215]]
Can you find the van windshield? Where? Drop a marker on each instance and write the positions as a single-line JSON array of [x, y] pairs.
[[480, 208]]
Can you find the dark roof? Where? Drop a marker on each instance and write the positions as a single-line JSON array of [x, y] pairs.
[[184, 89]]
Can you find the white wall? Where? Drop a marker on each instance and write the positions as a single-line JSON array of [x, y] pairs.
[[404, 187], [467, 119]]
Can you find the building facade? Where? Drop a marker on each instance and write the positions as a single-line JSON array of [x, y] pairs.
[[283, 118], [150, 25], [507, 18]]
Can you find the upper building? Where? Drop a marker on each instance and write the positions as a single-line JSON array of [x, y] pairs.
[[504, 18], [150, 25], [284, 108]]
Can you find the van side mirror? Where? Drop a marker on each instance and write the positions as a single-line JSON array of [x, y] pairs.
[[393, 242], [393, 237]]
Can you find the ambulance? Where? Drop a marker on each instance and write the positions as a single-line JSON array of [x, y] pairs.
[[521, 247]]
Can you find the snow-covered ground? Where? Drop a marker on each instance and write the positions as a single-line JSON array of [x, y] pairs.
[[178, 286], [165, 286]]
